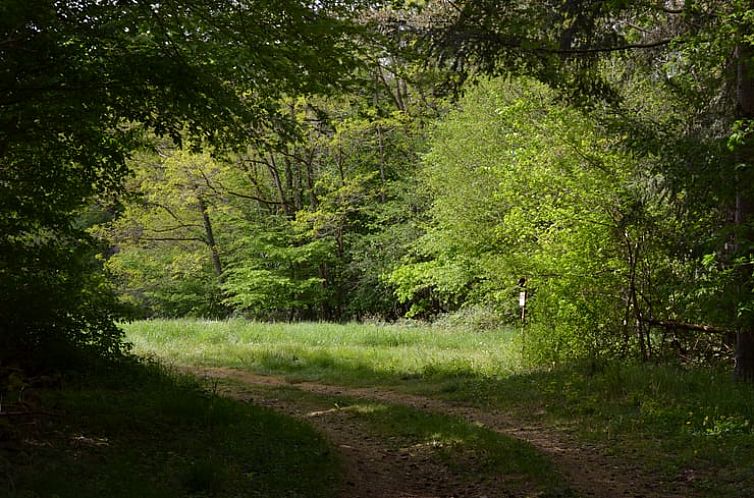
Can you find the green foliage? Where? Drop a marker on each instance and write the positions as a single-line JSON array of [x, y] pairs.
[[476, 318], [167, 235], [671, 85], [303, 226], [524, 187], [371, 257], [171, 282], [80, 80], [52, 277], [431, 286], [275, 271]]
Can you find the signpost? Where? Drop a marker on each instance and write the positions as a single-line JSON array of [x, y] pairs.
[[522, 298], [522, 304]]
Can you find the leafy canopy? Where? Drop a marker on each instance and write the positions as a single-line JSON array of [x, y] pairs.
[[80, 79]]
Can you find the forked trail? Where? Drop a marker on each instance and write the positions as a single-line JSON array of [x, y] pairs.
[[374, 469]]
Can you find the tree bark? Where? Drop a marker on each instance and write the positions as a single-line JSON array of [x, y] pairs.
[[275, 175], [744, 356], [216, 263], [744, 370], [693, 327], [632, 297], [313, 201], [383, 176]]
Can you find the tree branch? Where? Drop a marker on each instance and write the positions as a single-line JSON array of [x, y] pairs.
[[167, 209], [577, 275], [620, 48], [533, 49], [234, 193], [174, 239], [696, 327], [171, 229]]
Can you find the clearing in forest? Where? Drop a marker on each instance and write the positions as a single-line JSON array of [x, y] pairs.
[[425, 412]]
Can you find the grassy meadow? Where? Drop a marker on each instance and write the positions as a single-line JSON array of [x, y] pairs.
[[352, 353], [684, 423]]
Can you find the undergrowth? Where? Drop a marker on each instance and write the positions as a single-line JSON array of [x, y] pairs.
[[688, 424]]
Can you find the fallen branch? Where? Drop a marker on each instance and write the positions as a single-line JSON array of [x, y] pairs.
[[22, 413], [672, 324], [16, 414]]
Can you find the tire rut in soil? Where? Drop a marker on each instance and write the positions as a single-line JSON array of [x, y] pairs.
[[373, 470]]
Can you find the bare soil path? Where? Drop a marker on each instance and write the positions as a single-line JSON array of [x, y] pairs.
[[374, 469]]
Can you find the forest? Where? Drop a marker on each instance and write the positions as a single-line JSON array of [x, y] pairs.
[[539, 208]]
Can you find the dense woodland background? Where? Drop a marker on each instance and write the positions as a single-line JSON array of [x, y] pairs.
[[378, 160]]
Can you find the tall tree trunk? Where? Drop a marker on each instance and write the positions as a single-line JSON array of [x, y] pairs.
[[383, 176], [633, 293], [216, 263], [313, 201], [275, 175], [290, 184], [744, 369]]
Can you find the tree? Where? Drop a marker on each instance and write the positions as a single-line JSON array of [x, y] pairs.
[[526, 187], [80, 80], [699, 50], [303, 224], [317, 209], [168, 234]]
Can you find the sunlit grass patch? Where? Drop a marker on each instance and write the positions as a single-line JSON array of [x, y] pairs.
[[354, 353]]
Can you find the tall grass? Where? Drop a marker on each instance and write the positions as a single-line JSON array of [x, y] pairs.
[[351, 352]]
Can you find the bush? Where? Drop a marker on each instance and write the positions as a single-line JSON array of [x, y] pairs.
[[476, 317]]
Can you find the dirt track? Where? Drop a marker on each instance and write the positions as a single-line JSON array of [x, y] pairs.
[[375, 470]]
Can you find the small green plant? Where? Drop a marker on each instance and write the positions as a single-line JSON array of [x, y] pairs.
[[723, 425]]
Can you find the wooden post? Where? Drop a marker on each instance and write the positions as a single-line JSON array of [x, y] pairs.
[[522, 298]]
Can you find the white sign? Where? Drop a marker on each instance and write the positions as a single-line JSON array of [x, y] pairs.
[[522, 298]]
